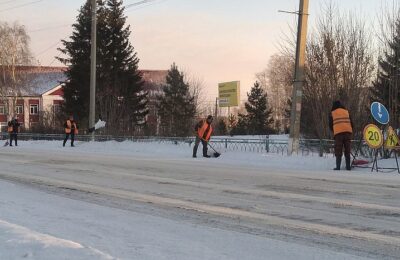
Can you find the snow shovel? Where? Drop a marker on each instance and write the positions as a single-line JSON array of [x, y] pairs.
[[216, 154]]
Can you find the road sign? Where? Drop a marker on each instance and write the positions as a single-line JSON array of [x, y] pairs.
[[373, 136], [380, 113], [392, 139]]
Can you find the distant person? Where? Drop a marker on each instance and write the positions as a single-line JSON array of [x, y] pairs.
[[203, 134], [13, 129], [70, 130], [341, 125]]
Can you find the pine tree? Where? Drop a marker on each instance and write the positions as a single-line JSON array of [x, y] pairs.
[[259, 116], [120, 98], [242, 125], [77, 51], [123, 77], [176, 107], [221, 127], [386, 87]]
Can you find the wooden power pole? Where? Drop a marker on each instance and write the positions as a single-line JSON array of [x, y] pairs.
[[298, 79], [92, 105]]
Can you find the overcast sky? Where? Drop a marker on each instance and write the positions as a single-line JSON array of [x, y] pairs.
[[216, 40]]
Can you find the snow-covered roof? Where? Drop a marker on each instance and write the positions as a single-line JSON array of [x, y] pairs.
[[39, 83]]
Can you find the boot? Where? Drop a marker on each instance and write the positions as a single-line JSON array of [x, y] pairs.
[[338, 163], [348, 164]]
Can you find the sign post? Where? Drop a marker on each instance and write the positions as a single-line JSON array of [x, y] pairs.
[[374, 139]]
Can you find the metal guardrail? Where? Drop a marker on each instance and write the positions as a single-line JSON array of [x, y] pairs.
[[312, 147]]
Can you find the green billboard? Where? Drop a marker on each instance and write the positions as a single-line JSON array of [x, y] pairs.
[[229, 94]]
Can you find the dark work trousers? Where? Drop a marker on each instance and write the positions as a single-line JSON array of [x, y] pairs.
[[196, 145], [343, 140], [72, 138], [14, 136]]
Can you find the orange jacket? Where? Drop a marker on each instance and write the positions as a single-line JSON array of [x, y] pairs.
[[204, 130], [341, 121], [69, 126]]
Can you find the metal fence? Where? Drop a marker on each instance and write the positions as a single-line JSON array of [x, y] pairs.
[[312, 147]]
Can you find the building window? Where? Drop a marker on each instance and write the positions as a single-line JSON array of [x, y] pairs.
[[56, 108], [2, 110], [19, 109], [3, 127], [34, 109]]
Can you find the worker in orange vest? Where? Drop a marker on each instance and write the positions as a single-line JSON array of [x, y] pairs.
[[70, 130], [342, 127], [203, 134], [13, 129]]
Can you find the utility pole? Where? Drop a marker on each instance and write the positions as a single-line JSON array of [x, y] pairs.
[[92, 106], [216, 109], [298, 79]]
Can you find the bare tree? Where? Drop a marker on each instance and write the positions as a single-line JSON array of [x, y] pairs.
[[14, 55], [196, 89], [277, 79], [339, 66]]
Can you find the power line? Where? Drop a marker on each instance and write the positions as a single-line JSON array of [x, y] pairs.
[[22, 5], [49, 28], [66, 25], [140, 7], [7, 2], [50, 47], [138, 3]]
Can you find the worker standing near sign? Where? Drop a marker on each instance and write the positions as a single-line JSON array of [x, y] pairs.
[[203, 134], [341, 125]]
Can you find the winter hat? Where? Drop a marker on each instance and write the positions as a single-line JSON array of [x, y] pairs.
[[210, 117], [336, 104]]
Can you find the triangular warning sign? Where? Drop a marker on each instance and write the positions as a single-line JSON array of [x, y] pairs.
[[392, 139]]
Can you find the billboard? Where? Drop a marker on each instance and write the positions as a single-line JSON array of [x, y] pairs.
[[229, 94]]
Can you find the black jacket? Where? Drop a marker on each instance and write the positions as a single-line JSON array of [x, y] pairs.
[[15, 125]]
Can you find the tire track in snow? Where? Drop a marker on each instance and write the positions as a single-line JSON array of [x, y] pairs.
[[208, 209]]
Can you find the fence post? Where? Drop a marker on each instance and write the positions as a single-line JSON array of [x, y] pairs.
[[267, 143], [321, 148], [226, 143]]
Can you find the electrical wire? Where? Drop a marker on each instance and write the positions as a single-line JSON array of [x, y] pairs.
[[138, 3], [126, 7], [22, 5], [49, 28], [7, 2]]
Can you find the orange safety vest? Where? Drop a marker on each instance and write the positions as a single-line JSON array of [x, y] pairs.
[[202, 130], [341, 121], [69, 126]]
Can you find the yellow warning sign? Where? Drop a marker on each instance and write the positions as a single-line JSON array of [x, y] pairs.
[[392, 139], [373, 136]]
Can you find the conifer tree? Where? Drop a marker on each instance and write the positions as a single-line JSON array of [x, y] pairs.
[[176, 107], [123, 76], [241, 127], [76, 52], [259, 118], [120, 98], [386, 88]]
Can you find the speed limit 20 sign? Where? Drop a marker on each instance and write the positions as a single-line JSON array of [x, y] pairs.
[[373, 136]]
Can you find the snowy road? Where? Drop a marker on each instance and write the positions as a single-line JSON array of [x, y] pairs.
[[132, 203]]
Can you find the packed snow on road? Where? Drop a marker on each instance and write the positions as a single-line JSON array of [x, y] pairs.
[[126, 200]]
